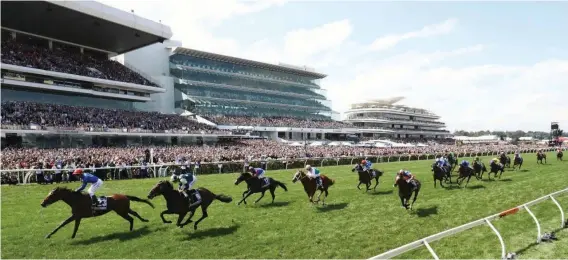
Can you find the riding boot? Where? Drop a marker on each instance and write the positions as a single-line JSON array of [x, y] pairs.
[[266, 183], [94, 201], [195, 199]]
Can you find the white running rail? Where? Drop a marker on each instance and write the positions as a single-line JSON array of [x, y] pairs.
[[484, 221]]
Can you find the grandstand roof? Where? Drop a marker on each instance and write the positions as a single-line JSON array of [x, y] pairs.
[[240, 61], [88, 23]]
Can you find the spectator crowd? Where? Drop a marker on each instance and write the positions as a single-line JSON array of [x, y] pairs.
[[276, 121], [65, 59], [53, 115]]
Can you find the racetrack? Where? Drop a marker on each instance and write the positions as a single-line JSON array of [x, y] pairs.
[[354, 225]]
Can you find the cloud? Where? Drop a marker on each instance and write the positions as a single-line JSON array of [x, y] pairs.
[[389, 41]]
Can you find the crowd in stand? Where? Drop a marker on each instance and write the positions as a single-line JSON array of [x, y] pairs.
[[13, 158], [53, 115], [275, 122], [65, 59]]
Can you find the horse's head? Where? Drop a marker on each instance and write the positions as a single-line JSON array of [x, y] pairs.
[[243, 177], [298, 176], [160, 189], [56, 195]]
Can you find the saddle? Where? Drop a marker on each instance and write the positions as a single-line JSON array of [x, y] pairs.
[[101, 203]]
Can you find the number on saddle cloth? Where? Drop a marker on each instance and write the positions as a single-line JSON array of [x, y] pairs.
[[102, 203]]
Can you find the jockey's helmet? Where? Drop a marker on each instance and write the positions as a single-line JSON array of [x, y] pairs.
[[174, 178], [250, 168], [78, 171], [364, 161], [308, 167], [401, 171]]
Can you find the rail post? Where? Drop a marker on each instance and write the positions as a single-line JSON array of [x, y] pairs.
[[538, 235], [562, 219], [503, 249]]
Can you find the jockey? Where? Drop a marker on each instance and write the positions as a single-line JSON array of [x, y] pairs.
[[464, 163], [407, 175], [315, 172], [366, 165], [517, 155], [259, 173], [495, 161], [476, 159], [186, 182], [95, 182]]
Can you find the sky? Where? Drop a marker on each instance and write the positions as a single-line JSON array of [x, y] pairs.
[[479, 65]]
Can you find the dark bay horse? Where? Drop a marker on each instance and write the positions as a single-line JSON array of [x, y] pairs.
[[518, 161], [496, 168], [479, 169], [405, 190], [440, 175], [505, 160], [81, 207], [366, 178], [559, 155], [465, 173], [453, 161], [310, 185], [540, 156], [178, 204], [254, 185]]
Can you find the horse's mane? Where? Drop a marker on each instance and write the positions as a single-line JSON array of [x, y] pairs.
[[62, 189]]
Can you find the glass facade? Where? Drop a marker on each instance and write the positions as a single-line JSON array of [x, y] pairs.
[[214, 87]]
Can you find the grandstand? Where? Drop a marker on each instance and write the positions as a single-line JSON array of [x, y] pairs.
[[384, 118], [60, 87]]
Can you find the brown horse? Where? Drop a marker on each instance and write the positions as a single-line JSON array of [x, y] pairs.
[[405, 190], [540, 156], [178, 204], [559, 155], [81, 207], [465, 173], [254, 185], [310, 185]]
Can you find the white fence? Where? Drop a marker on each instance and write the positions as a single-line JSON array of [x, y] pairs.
[[484, 221]]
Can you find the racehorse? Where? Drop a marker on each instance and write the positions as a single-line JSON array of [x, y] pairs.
[[405, 190], [496, 168], [81, 207], [518, 161], [453, 161], [465, 172], [366, 178], [479, 169], [539, 157], [310, 185], [176, 202], [440, 175], [254, 185], [505, 160], [559, 155]]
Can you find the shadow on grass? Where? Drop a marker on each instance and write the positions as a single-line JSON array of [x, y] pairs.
[[120, 236], [332, 207], [476, 187], [276, 204], [508, 179], [213, 232], [426, 212], [381, 192], [453, 186]]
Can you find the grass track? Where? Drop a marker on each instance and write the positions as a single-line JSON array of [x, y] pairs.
[[354, 225]]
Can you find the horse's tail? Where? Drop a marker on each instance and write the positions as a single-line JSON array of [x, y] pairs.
[[223, 198], [134, 198], [331, 181], [281, 185]]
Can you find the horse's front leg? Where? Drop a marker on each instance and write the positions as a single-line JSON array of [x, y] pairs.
[[244, 198], [164, 219], [65, 222], [261, 195], [191, 213], [359, 186], [467, 182], [402, 203], [180, 218], [376, 183], [414, 199]]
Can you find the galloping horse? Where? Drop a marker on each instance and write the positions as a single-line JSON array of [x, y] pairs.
[[367, 178], [559, 155], [405, 190], [254, 185], [310, 185], [496, 168], [518, 161], [453, 161], [465, 172], [479, 168], [540, 156], [176, 203], [81, 207], [505, 160], [440, 175]]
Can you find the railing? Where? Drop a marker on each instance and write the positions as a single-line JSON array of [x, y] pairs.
[[163, 170], [484, 221]]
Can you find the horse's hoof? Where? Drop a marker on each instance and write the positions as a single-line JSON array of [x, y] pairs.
[[167, 222], [194, 227], [48, 237]]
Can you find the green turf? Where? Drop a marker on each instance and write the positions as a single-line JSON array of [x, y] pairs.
[[354, 225]]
